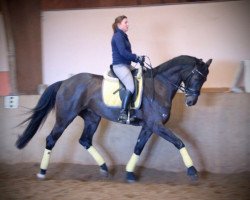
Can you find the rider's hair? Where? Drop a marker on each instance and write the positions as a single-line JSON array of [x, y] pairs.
[[117, 21]]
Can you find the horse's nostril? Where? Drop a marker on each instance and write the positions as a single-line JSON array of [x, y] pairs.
[[188, 103], [191, 101]]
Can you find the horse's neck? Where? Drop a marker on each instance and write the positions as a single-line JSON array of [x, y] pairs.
[[170, 79]]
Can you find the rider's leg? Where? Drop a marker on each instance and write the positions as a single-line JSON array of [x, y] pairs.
[[124, 74]]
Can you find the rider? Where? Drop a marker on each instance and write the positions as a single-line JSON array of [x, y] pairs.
[[122, 56]]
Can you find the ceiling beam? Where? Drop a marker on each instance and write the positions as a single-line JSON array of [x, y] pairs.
[[88, 4]]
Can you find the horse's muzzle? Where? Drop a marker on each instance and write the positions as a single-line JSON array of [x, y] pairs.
[[191, 100]]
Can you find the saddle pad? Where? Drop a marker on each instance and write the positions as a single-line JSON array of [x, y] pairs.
[[111, 85]]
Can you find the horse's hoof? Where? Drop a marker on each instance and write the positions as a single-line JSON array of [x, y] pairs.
[[104, 173], [192, 173], [130, 177], [40, 176], [104, 170]]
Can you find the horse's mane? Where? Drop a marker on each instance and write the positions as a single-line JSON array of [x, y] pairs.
[[180, 60]]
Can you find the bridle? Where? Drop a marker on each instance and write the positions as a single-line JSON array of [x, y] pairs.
[[186, 89]]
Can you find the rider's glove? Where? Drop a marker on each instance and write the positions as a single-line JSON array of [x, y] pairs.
[[140, 59]]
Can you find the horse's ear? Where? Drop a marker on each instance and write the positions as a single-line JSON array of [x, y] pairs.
[[209, 62]]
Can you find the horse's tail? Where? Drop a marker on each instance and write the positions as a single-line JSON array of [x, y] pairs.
[[45, 104]]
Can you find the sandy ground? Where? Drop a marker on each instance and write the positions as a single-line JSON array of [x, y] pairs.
[[72, 181]]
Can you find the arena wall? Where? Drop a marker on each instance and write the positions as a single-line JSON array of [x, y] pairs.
[[215, 131]]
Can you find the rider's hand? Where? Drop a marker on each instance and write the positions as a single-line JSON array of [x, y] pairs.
[[132, 68], [140, 59]]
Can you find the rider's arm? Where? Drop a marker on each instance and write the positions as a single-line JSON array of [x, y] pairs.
[[120, 44]]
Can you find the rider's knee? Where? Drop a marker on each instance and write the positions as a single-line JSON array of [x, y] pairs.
[[131, 88]]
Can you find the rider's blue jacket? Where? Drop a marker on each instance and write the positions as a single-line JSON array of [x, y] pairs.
[[121, 49]]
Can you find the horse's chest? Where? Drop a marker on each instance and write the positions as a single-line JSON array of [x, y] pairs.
[[165, 117], [163, 112]]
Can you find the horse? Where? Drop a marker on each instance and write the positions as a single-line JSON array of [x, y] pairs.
[[81, 95]]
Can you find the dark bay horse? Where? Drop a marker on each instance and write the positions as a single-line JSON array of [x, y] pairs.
[[81, 95]]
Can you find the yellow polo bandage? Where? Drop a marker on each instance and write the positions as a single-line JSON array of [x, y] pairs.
[[186, 158], [94, 153], [45, 160], [132, 162]]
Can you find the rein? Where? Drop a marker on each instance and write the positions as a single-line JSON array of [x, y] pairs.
[[185, 89], [149, 66]]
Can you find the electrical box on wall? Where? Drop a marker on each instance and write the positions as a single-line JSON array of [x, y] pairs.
[[11, 101]]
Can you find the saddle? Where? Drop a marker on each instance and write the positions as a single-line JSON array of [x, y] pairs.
[[113, 90]]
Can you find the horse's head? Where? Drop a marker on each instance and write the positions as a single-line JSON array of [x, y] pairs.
[[194, 79]]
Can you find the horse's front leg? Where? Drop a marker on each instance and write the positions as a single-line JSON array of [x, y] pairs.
[[168, 135], [141, 141]]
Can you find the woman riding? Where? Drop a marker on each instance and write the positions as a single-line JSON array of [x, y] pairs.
[[122, 57]]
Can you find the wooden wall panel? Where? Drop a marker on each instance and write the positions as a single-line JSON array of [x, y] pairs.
[[11, 55], [25, 22], [4, 84]]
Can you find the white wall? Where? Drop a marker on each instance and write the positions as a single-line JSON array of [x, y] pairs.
[[79, 40], [4, 66]]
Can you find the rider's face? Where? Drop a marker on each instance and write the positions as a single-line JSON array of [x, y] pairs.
[[123, 25]]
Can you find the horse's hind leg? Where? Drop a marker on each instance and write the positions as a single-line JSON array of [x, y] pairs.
[[91, 122], [141, 141], [62, 121]]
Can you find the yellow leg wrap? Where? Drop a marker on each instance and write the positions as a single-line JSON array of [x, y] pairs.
[[132, 163], [94, 153], [45, 160], [186, 158]]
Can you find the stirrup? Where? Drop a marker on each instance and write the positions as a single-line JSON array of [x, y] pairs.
[[123, 118], [129, 119]]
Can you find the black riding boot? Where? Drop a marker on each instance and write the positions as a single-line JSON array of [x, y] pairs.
[[125, 106]]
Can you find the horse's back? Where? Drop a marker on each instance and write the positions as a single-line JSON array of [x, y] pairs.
[[81, 84], [82, 79], [85, 77]]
